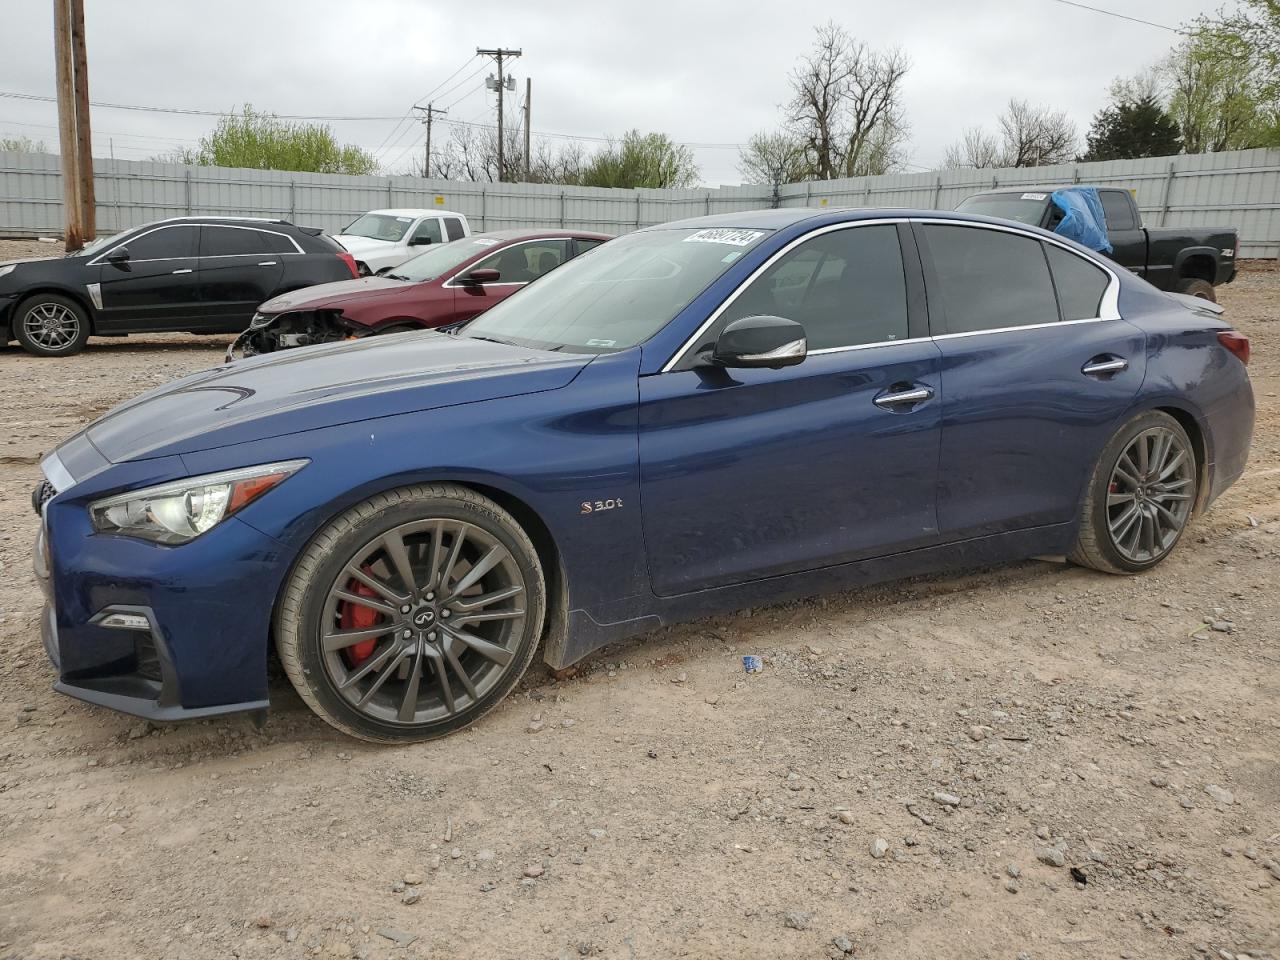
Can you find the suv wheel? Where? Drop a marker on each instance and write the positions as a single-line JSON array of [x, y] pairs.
[[49, 325]]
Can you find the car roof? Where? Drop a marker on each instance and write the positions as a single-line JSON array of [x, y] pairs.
[[412, 212], [1042, 188], [778, 219], [516, 233]]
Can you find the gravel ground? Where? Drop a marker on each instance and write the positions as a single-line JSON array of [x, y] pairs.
[[1028, 761]]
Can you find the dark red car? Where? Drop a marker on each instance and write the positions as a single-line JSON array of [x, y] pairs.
[[447, 284]]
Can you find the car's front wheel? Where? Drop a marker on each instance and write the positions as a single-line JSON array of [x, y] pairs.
[[50, 325], [412, 614], [1140, 497]]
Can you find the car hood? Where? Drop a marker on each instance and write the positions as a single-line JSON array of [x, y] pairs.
[[325, 295], [311, 388], [364, 244]]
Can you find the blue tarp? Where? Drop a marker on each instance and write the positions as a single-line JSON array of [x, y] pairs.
[[1083, 220]]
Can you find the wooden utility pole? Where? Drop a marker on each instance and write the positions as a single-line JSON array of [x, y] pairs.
[[528, 95], [427, 117], [499, 55], [68, 141], [84, 139]]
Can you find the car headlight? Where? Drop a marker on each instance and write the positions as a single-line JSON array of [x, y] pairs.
[[182, 510], [5, 271]]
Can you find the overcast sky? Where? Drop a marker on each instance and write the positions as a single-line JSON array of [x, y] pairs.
[[703, 71]]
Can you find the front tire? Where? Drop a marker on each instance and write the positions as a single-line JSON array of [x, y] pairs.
[[1140, 497], [49, 325], [413, 614], [1198, 288]]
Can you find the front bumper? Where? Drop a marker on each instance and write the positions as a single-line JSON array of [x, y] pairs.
[[158, 632]]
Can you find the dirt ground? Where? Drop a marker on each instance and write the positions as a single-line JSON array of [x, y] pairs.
[[1029, 761]]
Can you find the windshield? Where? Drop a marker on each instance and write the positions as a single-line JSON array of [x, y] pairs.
[[1023, 207], [441, 259], [619, 295], [379, 226]]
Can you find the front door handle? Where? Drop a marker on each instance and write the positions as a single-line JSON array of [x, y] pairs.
[[903, 397], [186, 270], [1101, 366], [267, 263]]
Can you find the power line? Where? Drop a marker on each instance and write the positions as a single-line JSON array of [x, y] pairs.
[[1121, 16], [187, 112]]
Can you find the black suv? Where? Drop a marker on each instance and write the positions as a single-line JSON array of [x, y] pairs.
[[194, 274]]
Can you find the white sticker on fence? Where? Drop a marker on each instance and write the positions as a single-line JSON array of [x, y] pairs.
[[735, 238]]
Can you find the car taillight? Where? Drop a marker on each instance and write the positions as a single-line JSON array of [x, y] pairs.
[[350, 261], [1237, 343]]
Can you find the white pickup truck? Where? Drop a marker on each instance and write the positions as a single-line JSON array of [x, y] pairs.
[[382, 239]]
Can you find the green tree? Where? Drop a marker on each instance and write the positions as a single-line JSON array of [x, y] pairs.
[[22, 145], [1125, 130], [641, 160], [262, 141], [1241, 50]]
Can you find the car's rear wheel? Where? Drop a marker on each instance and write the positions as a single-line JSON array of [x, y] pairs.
[[412, 614], [49, 325], [1198, 288], [1140, 497]]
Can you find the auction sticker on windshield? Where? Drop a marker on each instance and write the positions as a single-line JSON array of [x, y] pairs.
[[735, 238]]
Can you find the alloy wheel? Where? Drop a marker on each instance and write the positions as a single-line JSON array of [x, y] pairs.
[[51, 325], [1149, 497], [423, 621]]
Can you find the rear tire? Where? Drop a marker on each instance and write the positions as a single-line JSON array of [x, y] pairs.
[[412, 615], [1198, 288], [1140, 497], [50, 325]]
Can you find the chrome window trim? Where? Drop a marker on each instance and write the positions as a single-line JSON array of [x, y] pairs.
[[755, 274], [450, 285], [231, 226], [1108, 308], [146, 233], [169, 225]]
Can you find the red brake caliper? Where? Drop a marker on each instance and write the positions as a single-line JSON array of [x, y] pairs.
[[358, 617]]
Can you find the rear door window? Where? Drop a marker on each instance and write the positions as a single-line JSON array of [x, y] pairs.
[[231, 242], [1080, 284], [988, 279], [1117, 207], [453, 228]]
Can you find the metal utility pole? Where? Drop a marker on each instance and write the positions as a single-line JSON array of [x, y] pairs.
[[501, 84], [428, 115], [68, 145], [528, 95], [84, 140]]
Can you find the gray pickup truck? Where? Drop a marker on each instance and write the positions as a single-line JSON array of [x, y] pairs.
[[1190, 260]]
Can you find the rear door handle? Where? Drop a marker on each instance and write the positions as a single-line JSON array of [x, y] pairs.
[[187, 270], [267, 263], [903, 397], [1101, 366]]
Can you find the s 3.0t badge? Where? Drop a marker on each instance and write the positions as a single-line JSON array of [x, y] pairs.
[[597, 506]]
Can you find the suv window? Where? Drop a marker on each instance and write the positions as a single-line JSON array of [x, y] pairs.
[[846, 288], [453, 228], [277, 242], [231, 242], [989, 279], [167, 243], [1080, 284], [1117, 207], [428, 229]]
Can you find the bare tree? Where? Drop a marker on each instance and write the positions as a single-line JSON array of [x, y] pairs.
[[1036, 136], [773, 158], [976, 148], [846, 105]]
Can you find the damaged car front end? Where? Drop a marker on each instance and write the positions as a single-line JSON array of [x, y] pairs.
[[269, 332]]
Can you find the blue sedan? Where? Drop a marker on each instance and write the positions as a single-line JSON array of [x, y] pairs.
[[696, 417]]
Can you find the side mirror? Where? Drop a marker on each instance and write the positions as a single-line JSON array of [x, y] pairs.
[[419, 241], [118, 255], [482, 275], [772, 342]]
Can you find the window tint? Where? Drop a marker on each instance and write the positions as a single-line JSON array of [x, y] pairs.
[[988, 279], [526, 261], [167, 243], [453, 228], [230, 242], [1118, 209], [1080, 284], [585, 245], [277, 242], [428, 229], [846, 288]]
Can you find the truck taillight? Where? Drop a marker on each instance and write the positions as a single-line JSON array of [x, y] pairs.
[[350, 261], [1237, 343]]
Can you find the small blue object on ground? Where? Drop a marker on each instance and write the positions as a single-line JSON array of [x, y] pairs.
[[752, 664]]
